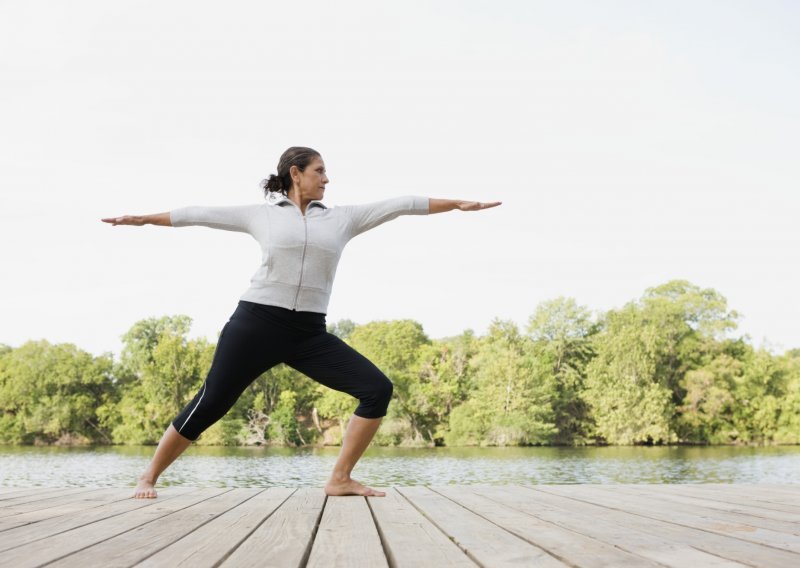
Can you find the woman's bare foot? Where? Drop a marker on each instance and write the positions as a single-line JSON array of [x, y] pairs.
[[351, 487], [145, 490]]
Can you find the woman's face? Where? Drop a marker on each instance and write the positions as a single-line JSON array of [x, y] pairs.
[[310, 184]]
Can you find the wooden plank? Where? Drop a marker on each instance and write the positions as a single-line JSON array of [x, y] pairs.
[[774, 520], [483, 541], [733, 496], [409, 539], [347, 537], [214, 541], [571, 547], [54, 547], [619, 529], [35, 495], [116, 504], [7, 490], [285, 538], [762, 531], [777, 494], [133, 546], [12, 510], [22, 491], [66, 505], [606, 506]]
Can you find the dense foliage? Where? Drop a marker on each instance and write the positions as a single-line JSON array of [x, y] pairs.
[[662, 369]]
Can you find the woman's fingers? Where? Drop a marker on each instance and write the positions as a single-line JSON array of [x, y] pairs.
[[477, 205], [124, 220], [114, 220]]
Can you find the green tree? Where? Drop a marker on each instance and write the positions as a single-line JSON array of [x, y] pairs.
[[261, 399], [635, 384], [510, 401], [693, 321], [706, 414], [162, 371], [394, 347], [443, 378], [760, 397], [562, 332], [283, 426], [50, 393], [629, 404], [788, 431]]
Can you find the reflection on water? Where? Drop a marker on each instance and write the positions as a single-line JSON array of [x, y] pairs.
[[267, 467]]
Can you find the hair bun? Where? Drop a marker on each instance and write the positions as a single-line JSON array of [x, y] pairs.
[[273, 183]]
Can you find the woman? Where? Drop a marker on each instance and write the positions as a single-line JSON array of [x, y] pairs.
[[281, 317]]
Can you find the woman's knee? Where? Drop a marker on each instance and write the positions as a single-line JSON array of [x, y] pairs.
[[375, 403], [385, 390], [208, 406]]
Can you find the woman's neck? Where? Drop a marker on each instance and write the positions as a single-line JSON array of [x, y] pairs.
[[297, 200]]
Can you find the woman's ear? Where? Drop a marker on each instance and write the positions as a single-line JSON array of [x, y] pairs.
[[294, 173]]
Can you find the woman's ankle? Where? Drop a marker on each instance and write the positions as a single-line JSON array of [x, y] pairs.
[[340, 476]]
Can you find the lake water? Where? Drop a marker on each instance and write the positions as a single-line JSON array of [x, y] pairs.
[[119, 466]]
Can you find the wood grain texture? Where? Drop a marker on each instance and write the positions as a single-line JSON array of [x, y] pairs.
[[484, 542], [215, 540], [724, 494], [409, 539], [591, 526], [632, 533], [285, 538], [570, 546], [135, 545], [117, 502], [347, 536], [75, 503], [755, 515], [715, 521], [663, 523], [128, 515]]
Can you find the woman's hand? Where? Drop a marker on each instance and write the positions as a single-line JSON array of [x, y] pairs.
[[125, 220], [139, 220], [476, 205], [442, 205]]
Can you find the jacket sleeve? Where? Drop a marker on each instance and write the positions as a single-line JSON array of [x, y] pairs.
[[239, 218], [368, 216]]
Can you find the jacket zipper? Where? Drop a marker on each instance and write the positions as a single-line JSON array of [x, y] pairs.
[[302, 261]]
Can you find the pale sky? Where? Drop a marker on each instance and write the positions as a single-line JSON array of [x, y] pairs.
[[631, 142]]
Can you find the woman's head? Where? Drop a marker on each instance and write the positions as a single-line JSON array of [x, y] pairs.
[[291, 169]]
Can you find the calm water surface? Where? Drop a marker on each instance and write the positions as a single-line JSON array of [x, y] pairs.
[[267, 467]]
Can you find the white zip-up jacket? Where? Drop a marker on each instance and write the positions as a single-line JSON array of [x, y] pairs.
[[299, 252]]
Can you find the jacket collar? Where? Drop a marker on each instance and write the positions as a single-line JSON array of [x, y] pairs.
[[283, 201]]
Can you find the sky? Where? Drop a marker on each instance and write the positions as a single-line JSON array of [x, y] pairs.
[[631, 142]]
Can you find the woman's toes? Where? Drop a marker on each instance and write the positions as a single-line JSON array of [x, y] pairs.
[[144, 490]]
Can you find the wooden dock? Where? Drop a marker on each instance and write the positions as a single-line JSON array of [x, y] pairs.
[[512, 525]]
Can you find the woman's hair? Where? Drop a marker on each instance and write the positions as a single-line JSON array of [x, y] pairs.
[[294, 156]]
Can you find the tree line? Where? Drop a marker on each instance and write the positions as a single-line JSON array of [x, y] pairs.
[[663, 369]]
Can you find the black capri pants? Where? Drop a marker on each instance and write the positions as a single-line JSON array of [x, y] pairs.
[[258, 337]]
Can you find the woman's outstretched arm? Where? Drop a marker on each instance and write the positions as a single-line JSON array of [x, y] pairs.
[[442, 205], [154, 219], [241, 218]]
